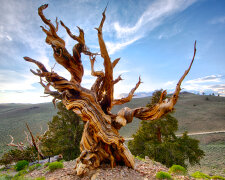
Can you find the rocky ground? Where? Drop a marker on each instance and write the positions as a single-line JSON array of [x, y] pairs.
[[143, 170]]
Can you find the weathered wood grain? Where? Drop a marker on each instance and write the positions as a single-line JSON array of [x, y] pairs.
[[100, 141]]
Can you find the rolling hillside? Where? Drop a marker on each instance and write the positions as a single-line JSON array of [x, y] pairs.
[[195, 113], [14, 116]]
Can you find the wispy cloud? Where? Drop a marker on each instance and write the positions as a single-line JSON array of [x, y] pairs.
[[220, 88], [213, 83], [169, 83], [212, 78], [218, 20], [20, 28], [23, 97], [170, 32], [12, 80], [115, 46], [151, 18]]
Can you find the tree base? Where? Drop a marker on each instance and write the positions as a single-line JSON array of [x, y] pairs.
[[95, 151]]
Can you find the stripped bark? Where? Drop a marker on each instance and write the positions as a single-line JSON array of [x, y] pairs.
[[32, 141], [100, 141], [35, 142], [20, 145]]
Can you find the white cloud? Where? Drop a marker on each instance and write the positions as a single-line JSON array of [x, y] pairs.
[[218, 20], [23, 97], [153, 16], [170, 32], [169, 83], [115, 46], [17, 26], [212, 83], [4, 35], [149, 20], [212, 78], [12, 80], [24, 28]]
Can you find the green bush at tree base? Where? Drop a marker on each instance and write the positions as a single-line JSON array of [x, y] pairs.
[[217, 177], [5, 177], [20, 165], [177, 169], [40, 178], [163, 175], [55, 165], [20, 174], [200, 175], [33, 167]]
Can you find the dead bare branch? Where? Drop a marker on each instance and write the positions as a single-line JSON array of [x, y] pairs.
[[129, 97]]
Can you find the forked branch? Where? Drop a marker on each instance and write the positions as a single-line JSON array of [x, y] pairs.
[[79, 38], [129, 97], [162, 107], [20, 146], [34, 142]]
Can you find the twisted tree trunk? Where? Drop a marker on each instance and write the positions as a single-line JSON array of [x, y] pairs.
[[100, 141]]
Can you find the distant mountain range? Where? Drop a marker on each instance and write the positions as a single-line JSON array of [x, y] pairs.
[[146, 94], [137, 95]]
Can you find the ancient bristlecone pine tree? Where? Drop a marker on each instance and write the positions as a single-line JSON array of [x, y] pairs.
[[100, 141]]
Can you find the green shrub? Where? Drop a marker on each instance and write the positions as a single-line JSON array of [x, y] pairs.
[[55, 165], [217, 177], [177, 169], [16, 155], [138, 157], [20, 178], [40, 178], [20, 174], [163, 175], [21, 165], [35, 166], [5, 177], [200, 175], [46, 164]]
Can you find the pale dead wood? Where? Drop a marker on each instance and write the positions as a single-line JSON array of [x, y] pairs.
[[20, 145], [35, 144], [28, 139]]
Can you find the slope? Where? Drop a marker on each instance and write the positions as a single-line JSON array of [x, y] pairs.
[[195, 113]]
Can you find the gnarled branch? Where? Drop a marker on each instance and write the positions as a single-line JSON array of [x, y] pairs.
[[100, 140], [119, 78], [93, 72], [129, 97], [159, 109], [108, 87], [79, 38]]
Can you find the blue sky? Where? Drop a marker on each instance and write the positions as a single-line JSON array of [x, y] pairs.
[[153, 38]]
